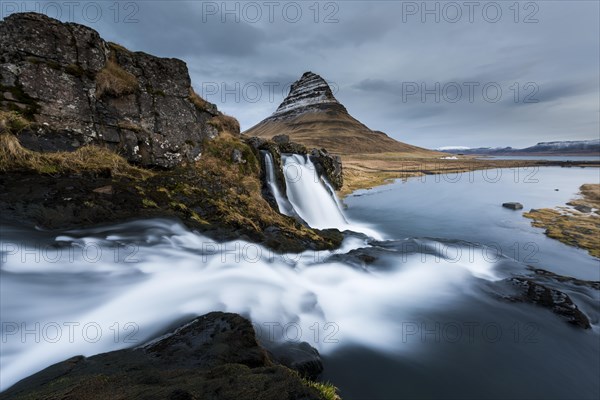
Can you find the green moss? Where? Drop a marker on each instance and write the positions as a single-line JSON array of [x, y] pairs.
[[48, 169], [75, 70], [327, 390], [155, 92], [178, 206], [147, 203], [198, 218], [54, 65]]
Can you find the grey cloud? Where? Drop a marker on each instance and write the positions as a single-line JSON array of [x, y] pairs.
[[371, 51]]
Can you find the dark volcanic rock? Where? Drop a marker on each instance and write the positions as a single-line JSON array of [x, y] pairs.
[[558, 302], [81, 90], [513, 205], [329, 166], [292, 148], [260, 146], [583, 209], [215, 356], [281, 139], [551, 276], [300, 357]]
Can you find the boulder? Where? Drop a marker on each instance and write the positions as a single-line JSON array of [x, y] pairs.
[[292, 148], [583, 209], [556, 301], [300, 357], [213, 356], [237, 157], [281, 139], [513, 205]]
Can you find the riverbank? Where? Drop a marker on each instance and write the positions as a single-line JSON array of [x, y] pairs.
[[577, 224], [365, 171]]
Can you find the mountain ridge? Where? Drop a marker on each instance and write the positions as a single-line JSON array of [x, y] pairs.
[[312, 116], [591, 146]]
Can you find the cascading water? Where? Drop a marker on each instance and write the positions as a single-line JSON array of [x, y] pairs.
[[313, 198], [282, 203], [308, 194], [122, 285]]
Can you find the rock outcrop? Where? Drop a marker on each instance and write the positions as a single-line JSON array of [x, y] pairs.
[[327, 165], [555, 300], [309, 93], [213, 356], [80, 89]]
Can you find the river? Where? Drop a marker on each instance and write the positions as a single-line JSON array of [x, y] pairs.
[[410, 325]]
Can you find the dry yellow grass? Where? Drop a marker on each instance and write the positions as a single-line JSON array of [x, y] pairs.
[[112, 80], [364, 171], [14, 157], [11, 121], [570, 226], [336, 131], [225, 124], [198, 101]]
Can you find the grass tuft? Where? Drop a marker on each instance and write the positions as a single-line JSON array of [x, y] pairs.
[[12, 122], [114, 81], [199, 102], [327, 390], [225, 124], [14, 157]]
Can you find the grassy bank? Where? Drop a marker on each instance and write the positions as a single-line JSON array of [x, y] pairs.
[[365, 171], [570, 226]]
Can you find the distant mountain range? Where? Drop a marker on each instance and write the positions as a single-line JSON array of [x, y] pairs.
[[581, 147], [312, 116]]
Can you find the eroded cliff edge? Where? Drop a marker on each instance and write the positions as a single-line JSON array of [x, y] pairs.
[[94, 133]]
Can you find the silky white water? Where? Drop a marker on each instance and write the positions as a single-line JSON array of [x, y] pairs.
[[282, 204], [119, 286], [310, 198], [314, 199]]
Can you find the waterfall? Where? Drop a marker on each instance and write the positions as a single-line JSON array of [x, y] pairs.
[[309, 195], [282, 203]]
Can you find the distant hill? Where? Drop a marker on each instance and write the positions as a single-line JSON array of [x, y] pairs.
[[311, 115], [574, 147]]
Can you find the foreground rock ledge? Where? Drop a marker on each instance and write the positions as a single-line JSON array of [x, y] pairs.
[[215, 356]]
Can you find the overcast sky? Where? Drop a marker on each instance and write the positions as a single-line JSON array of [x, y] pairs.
[[483, 74]]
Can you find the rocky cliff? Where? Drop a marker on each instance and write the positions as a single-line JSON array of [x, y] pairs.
[[80, 90]]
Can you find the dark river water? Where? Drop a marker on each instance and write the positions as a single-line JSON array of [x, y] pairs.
[[477, 346]]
